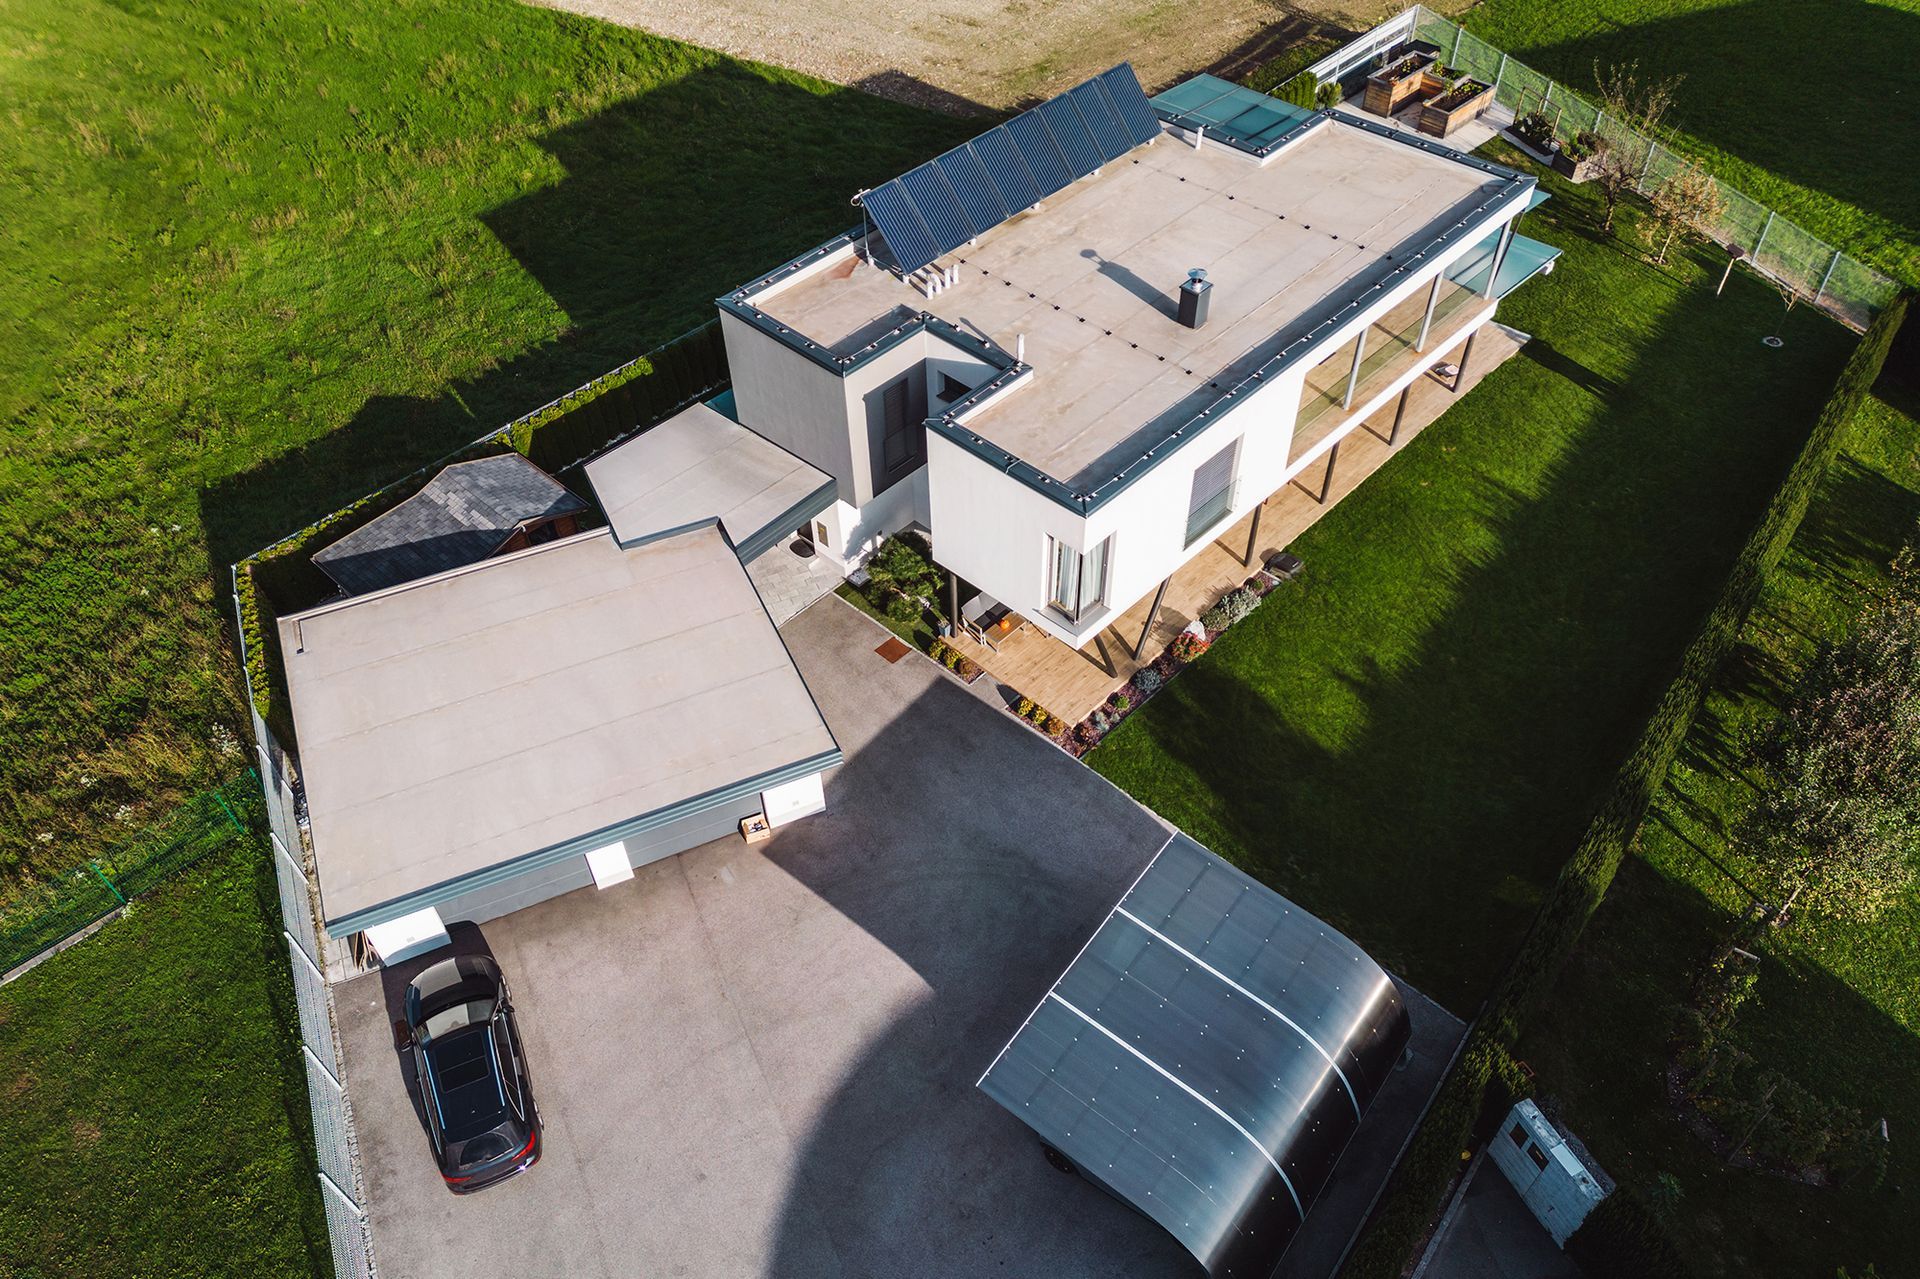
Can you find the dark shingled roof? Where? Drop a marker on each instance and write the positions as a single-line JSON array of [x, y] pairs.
[[464, 515]]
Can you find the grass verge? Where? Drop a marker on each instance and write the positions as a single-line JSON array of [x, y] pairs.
[[156, 1116]]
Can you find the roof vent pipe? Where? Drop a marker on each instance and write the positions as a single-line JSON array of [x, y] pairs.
[[1020, 348], [1199, 136], [1194, 295]]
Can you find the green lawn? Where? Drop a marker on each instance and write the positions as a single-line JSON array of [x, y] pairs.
[[1806, 105], [155, 1111], [262, 259], [1838, 1007], [1409, 740]]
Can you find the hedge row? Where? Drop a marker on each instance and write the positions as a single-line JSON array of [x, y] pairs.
[[282, 579], [1421, 1180]]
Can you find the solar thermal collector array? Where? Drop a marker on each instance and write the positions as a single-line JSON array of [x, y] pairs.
[[973, 188]]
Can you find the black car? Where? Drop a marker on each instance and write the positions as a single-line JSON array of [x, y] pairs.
[[459, 1035]]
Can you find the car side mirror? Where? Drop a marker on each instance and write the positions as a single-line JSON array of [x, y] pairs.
[[402, 1036]]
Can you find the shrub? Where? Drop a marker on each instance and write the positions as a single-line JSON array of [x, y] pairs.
[[1100, 721], [1148, 680], [1328, 95], [1039, 714], [966, 668], [1187, 646], [952, 658], [1055, 725], [1300, 90], [1122, 703], [1023, 708], [1623, 1238], [1232, 607]]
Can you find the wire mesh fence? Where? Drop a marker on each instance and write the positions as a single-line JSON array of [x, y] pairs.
[[46, 914], [1802, 265]]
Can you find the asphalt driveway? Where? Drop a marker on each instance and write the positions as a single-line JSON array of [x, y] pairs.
[[760, 1060]]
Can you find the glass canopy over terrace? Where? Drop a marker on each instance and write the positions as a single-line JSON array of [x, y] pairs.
[[1232, 113]]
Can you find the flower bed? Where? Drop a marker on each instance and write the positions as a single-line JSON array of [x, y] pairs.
[[1188, 645]]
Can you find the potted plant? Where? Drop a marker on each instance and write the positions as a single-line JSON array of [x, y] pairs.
[[1577, 159], [1397, 80]]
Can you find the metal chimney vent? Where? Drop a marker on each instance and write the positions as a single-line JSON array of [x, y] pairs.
[[1193, 300]]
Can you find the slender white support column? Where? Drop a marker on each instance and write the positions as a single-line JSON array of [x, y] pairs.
[[1426, 323], [1353, 378]]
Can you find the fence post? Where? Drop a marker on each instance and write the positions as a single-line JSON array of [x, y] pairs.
[[1828, 276], [1498, 76], [1763, 235], [1459, 34], [102, 876], [1598, 116]]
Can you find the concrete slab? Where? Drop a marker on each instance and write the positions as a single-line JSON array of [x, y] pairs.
[[1488, 1233], [760, 1060]]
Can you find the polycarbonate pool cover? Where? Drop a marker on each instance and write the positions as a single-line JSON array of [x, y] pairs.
[[1207, 1057]]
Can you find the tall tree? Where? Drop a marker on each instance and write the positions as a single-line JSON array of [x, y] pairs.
[[1836, 827], [1630, 103]]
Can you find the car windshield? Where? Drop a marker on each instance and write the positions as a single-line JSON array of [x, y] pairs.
[[465, 1079]]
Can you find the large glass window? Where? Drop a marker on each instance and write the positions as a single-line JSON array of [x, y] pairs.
[[904, 438], [1212, 495], [1079, 581]]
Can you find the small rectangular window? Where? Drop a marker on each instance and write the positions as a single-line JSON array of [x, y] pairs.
[[952, 388], [1519, 1134], [1538, 1156], [1212, 495]]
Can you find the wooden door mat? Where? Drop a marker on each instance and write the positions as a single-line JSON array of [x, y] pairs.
[[893, 650]]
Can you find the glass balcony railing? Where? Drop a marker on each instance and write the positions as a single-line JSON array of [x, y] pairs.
[[1389, 353]]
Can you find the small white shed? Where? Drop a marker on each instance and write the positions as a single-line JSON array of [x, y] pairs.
[[1556, 1177]]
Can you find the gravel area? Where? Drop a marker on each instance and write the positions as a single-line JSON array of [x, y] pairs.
[[966, 56]]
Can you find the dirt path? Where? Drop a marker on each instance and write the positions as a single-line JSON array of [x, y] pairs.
[[971, 55]]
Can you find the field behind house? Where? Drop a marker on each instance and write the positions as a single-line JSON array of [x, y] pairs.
[[264, 259], [1809, 106], [1838, 1008]]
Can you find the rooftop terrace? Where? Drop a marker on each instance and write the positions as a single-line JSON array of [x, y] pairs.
[[1089, 280]]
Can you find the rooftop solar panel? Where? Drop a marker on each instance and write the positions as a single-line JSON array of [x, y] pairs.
[[907, 236], [1071, 132], [1000, 156], [1130, 100], [1043, 155], [1096, 108], [974, 188], [939, 208]]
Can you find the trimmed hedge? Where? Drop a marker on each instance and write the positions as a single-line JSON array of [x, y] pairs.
[[1421, 1180], [282, 579]]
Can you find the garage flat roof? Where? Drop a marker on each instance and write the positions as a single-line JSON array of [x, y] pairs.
[[463, 728], [1207, 1057], [698, 464], [1090, 278]]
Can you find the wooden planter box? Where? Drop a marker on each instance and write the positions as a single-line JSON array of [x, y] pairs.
[[1578, 170], [1387, 92], [1440, 120]]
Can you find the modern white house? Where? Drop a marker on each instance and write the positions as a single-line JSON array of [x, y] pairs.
[[1078, 347]]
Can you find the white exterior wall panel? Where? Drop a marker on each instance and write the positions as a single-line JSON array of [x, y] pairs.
[[798, 404]]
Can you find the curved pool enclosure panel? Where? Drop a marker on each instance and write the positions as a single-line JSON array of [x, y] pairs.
[[1207, 1057]]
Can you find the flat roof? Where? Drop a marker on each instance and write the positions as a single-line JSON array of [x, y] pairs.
[[499, 717], [699, 464], [463, 515], [1090, 280], [1206, 1057]]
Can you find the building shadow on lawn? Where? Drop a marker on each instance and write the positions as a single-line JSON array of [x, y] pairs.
[[1426, 809], [1599, 1043], [1738, 88], [670, 198]]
